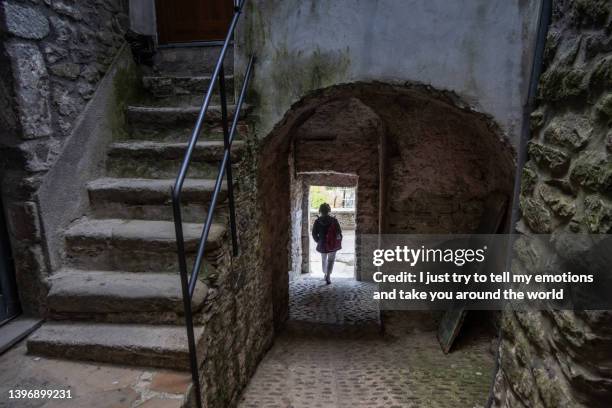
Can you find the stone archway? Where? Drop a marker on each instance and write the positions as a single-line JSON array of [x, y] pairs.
[[424, 159], [344, 136]]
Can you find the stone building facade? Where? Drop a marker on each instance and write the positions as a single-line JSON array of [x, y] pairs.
[[425, 136], [54, 54], [562, 358], [68, 79]]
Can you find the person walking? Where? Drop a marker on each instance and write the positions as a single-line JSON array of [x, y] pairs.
[[327, 234]]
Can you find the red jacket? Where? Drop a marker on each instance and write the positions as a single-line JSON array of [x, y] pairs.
[[319, 231]]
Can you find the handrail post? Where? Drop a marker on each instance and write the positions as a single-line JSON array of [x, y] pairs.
[[228, 171], [218, 182], [189, 281], [180, 246]]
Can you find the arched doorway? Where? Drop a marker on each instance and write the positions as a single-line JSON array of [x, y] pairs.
[[425, 162]]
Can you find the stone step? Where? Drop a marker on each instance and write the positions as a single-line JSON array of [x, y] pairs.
[[139, 345], [185, 89], [135, 245], [182, 133], [120, 296], [195, 60], [150, 199], [151, 159], [152, 117]]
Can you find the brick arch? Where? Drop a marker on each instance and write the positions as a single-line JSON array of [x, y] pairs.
[[425, 161]]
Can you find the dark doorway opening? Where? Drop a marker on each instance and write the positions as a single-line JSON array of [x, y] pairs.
[[342, 201], [423, 162], [9, 302], [182, 21]]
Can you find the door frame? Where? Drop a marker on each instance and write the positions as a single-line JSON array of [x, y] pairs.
[[9, 303], [154, 27]]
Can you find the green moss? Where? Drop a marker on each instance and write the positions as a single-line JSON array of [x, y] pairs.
[[561, 204], [552, 159], [591, 12], [571, 131], [602, 74], [127, 87], [536, 214], [528, 181], [604, 106], [536, 121], [297, 73], [552, 44], [549, 389], [598, 214], [592, 170], [562, 83], [255, 36]]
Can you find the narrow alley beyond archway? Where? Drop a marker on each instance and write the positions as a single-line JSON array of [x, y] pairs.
[[333, 353]]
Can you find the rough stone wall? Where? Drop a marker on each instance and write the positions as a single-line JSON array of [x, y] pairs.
[[238, 314], [441, 164], [273, 180], [299, 193], [382, 120], [554, 359], [54, 53], [59, 50], [306, 227]]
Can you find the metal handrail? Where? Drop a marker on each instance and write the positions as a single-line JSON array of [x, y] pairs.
[[223, 168], [189, 281]]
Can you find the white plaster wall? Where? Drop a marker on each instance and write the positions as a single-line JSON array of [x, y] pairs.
[[142, 17], [480, 49]]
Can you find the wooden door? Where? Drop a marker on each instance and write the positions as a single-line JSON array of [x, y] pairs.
[[180, 21]]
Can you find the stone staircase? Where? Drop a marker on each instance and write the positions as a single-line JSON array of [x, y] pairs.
[[117, 298]]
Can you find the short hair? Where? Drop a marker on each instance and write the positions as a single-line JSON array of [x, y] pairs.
[[324, 209]]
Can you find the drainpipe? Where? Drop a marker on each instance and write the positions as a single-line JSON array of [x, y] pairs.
[[544, 20], [536, 70]]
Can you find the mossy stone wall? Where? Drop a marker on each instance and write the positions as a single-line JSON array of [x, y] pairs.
[[562, 358]]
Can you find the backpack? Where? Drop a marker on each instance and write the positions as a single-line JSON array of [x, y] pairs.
[[333, 240]]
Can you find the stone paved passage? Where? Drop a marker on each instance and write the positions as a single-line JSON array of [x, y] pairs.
[[344, 303], [326, 366]]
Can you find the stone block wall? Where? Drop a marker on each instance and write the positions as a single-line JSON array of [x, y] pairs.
[[441, 162], [299, 216], [554, 359], [363, 131], [237, 320], [53, 54], [237, 316]]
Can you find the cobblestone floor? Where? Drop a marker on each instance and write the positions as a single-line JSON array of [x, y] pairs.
[[325, 366], [344, 303]]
